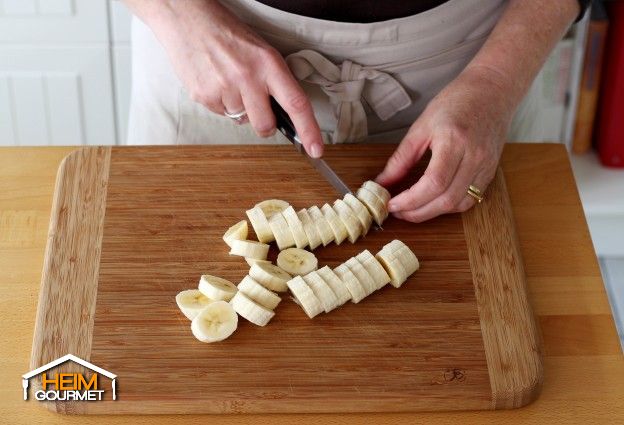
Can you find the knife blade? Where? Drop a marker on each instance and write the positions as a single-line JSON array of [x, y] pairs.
[[285, 125]]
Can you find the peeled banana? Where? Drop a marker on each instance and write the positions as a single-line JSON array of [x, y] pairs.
[[258, 293], [250, 310], [297, 261]]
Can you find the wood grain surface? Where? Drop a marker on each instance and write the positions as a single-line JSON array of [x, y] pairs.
[[435, 344], [583, 362]]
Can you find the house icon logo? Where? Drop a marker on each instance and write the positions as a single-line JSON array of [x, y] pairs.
[[69, 386]]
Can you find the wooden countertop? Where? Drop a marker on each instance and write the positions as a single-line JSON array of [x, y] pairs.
[[583, 361]]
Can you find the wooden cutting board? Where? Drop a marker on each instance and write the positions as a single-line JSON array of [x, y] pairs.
[[132, 226]]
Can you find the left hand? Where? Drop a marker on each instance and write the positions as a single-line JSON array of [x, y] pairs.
[[465, 127]]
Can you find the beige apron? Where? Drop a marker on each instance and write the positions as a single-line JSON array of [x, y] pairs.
[[366, 81]]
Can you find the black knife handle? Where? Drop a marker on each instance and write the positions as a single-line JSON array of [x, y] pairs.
[[283, 121]]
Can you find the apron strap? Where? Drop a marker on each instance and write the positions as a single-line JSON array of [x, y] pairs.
[[346, 86]]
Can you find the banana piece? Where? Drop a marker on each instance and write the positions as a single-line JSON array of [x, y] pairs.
[[374, 268], [238, 231], [249, 249], [349, 219], [283, 236], [270, 276], [379, 191], [351, 283], [322, 226], [216, 288], [304, 296], [260, 224], [394, 268], [250, 310], [215, 323], [297, 262], [365, 279], [322, 290], [375, 206], [407, 259], [360, 210], [270, 207], [335, 283], [252, 261], [296, 227], [191, 302], [258, 293], [312, 234], [336, 224]]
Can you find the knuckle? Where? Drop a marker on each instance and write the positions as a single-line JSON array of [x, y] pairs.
[[436, 182], [298, 103], [447, 203]]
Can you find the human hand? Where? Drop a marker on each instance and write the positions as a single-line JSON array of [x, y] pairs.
[[465, 127]]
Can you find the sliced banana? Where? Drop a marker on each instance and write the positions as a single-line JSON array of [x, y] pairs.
[[238, 231], [407, 259], [283, 236], [304, 296], [297, 262], [215, 322], [250, 310], [362, 275], [351, 282], [270, 276], [335, 283], [191, 302], [312, 234], [394, 268], [216, 288], [366, 219], [252, 261], [322, 290], [374, 268], [271, 207], [258, 293], [380, 191], [349, 219], [260, 224], [296, 227], [336, 224], [322, 226], [249, 249], [375, 206]]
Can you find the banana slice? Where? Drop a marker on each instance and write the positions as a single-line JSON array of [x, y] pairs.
[[322, 290], [297, 261], [366, 219], [250, 310], [216, 288], [336, 224], [249, 249], [191, 302], [260, 224], [238, 231], [351, 282], [296, 227], [322, 226], [283, 236], [407, 259], [304, 296], [270, 276], [349, 219], [252, 261], [379, 191], [215, 323], [312, 234], [394, 268], [374, 268], [365, 279], [335, 283], [258, 293], [270, 207], [375, 206]]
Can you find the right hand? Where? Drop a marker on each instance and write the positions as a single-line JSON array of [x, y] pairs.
[[225, 66]]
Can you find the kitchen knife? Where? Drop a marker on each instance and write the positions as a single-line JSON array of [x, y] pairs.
[[285, 125]]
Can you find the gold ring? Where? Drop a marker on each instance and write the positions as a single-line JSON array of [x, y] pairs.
[[475, 192]]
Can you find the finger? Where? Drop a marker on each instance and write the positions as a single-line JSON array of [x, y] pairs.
[[481, 181], [445, 160], [258, 108], [408, 153], [295, 102], [233, 104]]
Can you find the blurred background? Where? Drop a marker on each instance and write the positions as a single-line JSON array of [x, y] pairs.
[[65, 68]]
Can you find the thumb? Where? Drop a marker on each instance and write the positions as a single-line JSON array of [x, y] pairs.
[[408, 153]]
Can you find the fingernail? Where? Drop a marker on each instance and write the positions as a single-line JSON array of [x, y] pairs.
[[316, 151], [392, 207]]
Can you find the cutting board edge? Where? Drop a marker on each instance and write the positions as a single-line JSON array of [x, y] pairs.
[[501, 308]]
